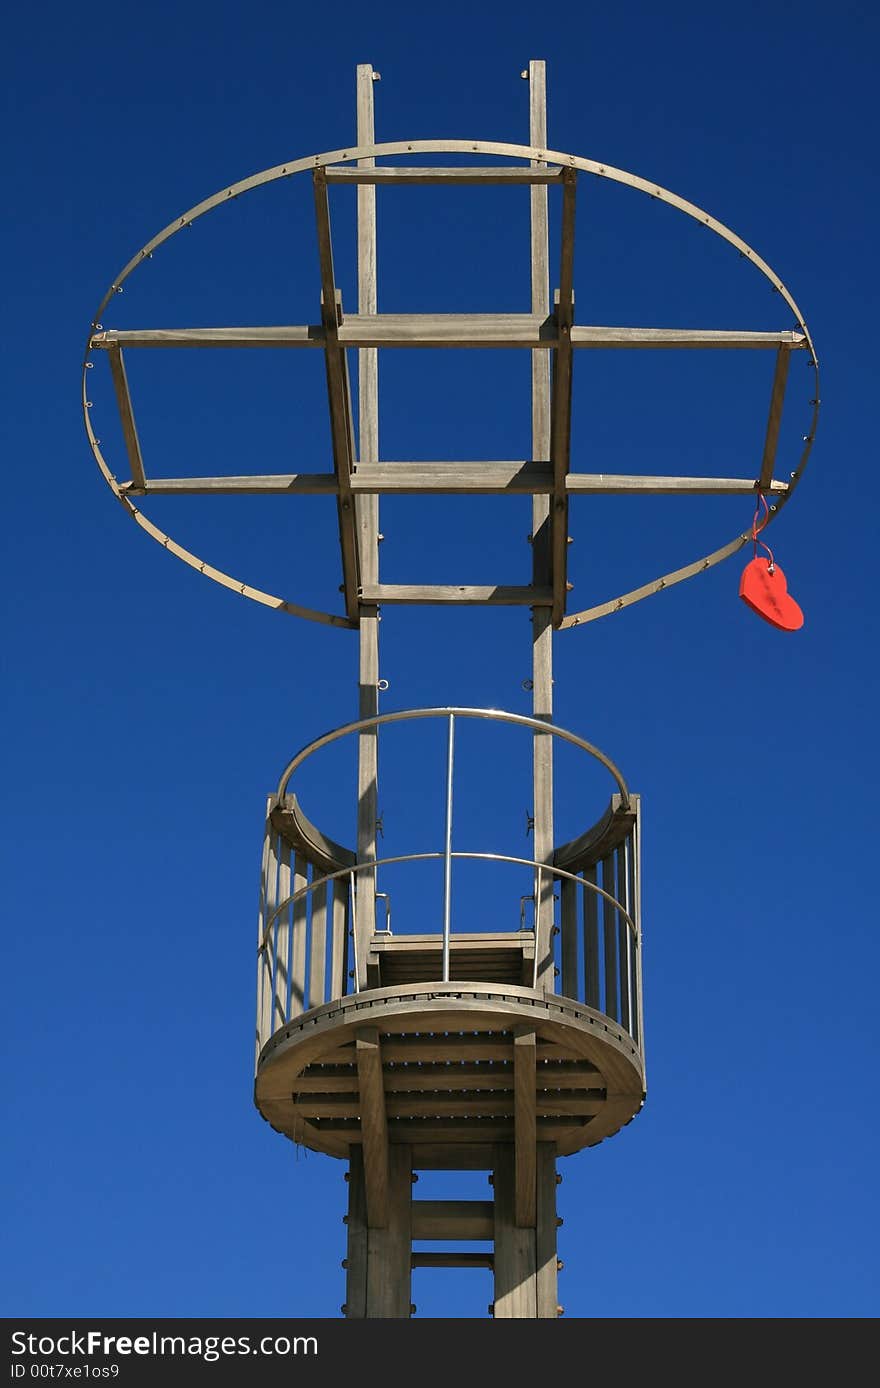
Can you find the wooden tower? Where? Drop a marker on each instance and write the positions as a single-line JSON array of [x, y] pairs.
[[507, 1047]]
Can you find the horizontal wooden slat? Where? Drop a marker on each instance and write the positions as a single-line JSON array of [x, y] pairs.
[[437, 1076], [611, 484], [525, 330], [284, 484], [398, 174], [452, 1260], [525, 477], [453, 1219], [497, 595], [429, 1104], [444, 478]]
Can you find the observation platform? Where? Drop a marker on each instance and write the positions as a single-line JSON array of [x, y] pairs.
[[450, 1042]]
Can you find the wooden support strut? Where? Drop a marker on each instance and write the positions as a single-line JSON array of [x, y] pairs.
[[339, 398]]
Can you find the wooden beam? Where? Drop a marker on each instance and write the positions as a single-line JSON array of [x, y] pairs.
[[356, 1252], [283, 484], [374, 1126], [367, 520], [524, 1067], [452, 1260], [448, 330], [447, 478], [542, 567], [546, 1272], [493, 595], [389, 1279], [774, 419], [126, 415], [519, 477], [560, 403], [398, 174], [339, 399], [515, 1291], [620, 484], [452, 1219]]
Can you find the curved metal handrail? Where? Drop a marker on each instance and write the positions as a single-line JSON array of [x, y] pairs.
[[422, 857], [499, 715]]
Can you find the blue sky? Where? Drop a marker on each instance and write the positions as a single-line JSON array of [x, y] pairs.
[[149, 712]]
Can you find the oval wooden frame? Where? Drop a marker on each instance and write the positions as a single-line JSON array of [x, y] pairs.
[[480, 147]]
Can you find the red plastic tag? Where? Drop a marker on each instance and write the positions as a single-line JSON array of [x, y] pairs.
[[764, 588]]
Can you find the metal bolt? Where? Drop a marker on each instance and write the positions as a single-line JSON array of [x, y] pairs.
[[525, 76], [344, 1308], [347, 1176], [414, 1176], [559, 1178], [559, 1264], [345, 1219], [559, 1221], [344, 1263], [491, 1178], [491, 1308], [560, 1310], [412, 1308]]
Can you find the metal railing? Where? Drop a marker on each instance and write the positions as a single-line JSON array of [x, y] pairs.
[[310, 934]]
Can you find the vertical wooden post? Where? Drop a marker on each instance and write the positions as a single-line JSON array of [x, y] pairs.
[[356, 1252], [515, 1282], [542, 627], [547, 1292], [389, 1250], [367, 514]]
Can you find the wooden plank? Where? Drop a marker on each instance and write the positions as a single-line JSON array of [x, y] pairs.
[[560, 402], [318, 947], [339, 942], [444, 478], [452, 1260], [623, 951], [448, 330], [547, 1280], [542, 573], [427, 174], [374, 1126], [452, 1130], [774, 418], [389, 1279], [489, 478], [463, 1105], [693, 339], [413, 1049], [611, 484], [524, 1066], [610, 938], [402, 1079], [437, 593], [356, 1252], [452, 1219], [591, 940], [339, 400], [126, 415], [300, 928], [322, 851], [439, 1156], [269, 484], [367, 518], [282, 1003], [569, 924], [515, 1290]]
